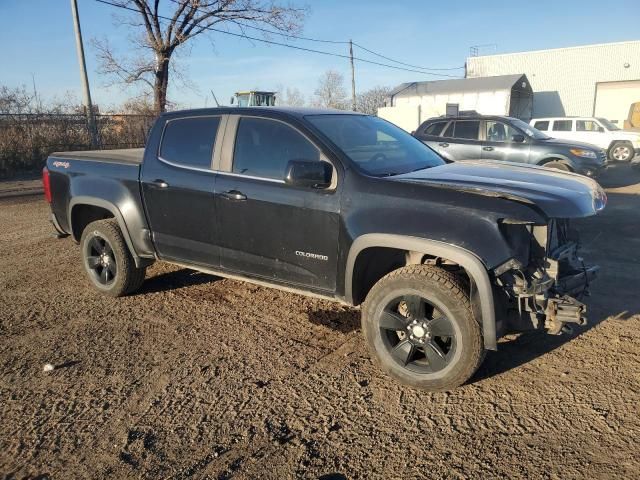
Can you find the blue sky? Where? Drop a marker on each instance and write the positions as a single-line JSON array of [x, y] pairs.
[[37, 38]]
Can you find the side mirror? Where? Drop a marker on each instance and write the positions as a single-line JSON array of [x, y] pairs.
[[517, 138], [600, 130], [233, 99], [308, 173]]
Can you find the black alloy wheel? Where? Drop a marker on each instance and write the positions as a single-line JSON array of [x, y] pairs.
[[101, 260], [418, 322], [417, 335]]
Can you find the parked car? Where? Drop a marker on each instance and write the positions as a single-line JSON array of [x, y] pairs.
[[620, 145], [473, 137], [444, 258]]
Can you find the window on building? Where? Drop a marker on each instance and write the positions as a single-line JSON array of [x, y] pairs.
[[542, 125], [562, 125], [467, 129], [264, 148], [588, 126], [434, 129], [198, 150]]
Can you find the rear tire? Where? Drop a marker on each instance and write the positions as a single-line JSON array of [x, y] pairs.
[[418, 322], [621, 152], [107, 260]]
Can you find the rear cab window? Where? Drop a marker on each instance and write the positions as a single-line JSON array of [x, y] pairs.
[[189, 141], [264, 147]]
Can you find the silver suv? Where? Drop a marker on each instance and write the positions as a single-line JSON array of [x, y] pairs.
[[482, 137]]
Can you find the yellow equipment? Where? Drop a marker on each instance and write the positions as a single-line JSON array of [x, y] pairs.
[[254, 98]]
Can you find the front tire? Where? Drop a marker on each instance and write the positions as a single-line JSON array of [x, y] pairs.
[[107, 260], [418, 322], [555, 164], [621, 152]]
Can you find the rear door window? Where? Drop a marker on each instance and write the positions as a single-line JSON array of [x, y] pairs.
[[562, 125], [542, 125], [264, 147], [189, 141], [467, 129]]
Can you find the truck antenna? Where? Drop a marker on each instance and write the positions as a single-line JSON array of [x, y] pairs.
[[214, 98]]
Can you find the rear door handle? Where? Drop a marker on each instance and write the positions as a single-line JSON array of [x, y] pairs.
[[488, 149], [234, 195], [443, 144], [159, 183]]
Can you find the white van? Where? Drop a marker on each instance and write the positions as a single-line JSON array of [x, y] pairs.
[[621, 145]]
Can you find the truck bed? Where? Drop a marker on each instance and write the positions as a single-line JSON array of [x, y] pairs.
[[124, 155]]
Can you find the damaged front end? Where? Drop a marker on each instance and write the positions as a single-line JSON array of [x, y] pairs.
[[541, 286]]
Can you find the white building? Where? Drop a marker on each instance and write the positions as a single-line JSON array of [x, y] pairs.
[[409, 104], [592, 80]]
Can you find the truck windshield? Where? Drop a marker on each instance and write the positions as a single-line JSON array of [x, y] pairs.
[[378, 147], [612, 127]]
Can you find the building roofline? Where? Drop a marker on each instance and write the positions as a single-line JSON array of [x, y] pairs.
[[558, 48]]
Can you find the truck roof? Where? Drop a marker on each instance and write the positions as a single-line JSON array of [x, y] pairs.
[[293, 111]]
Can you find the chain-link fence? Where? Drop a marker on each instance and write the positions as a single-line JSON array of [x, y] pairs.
[[27, 139]]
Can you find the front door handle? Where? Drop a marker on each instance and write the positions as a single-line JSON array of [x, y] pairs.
[[444, 144], [159, 183], [233, 195], [488, 149]]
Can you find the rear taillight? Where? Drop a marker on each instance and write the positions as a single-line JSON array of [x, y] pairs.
[[46, 183]]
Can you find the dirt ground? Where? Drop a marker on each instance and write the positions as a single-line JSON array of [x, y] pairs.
[[199, 377]]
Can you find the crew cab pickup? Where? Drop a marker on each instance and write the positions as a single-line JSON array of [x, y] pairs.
[[444, 259]]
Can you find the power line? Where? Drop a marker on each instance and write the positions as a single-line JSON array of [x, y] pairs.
[[405, 64], [287, 35], [340, 42], [295, 47]]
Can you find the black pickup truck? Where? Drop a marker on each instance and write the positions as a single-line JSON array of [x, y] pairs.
[[443, 258]]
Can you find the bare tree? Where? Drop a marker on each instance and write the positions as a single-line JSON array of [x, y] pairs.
[[292, 97], [16, 100], [330, 92], [371, 100], [157, 37]]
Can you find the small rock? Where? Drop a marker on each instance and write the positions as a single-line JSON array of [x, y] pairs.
[[48, 367]]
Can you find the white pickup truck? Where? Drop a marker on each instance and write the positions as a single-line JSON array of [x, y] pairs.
[[621, 145]]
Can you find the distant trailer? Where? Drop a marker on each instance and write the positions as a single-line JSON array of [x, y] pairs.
[[410, 104]]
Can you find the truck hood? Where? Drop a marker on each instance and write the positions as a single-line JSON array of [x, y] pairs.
[[561, 142], [627, 135], [558, 194]]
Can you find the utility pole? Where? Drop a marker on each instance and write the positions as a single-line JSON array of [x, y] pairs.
[[91, 121], [353, 78]]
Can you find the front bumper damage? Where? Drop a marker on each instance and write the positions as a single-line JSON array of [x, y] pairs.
[[544, 292]]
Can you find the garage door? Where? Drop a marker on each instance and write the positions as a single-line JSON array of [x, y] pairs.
[[613, 100]]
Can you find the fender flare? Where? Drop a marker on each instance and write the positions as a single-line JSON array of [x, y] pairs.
[[466, 259], [98, 202]]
